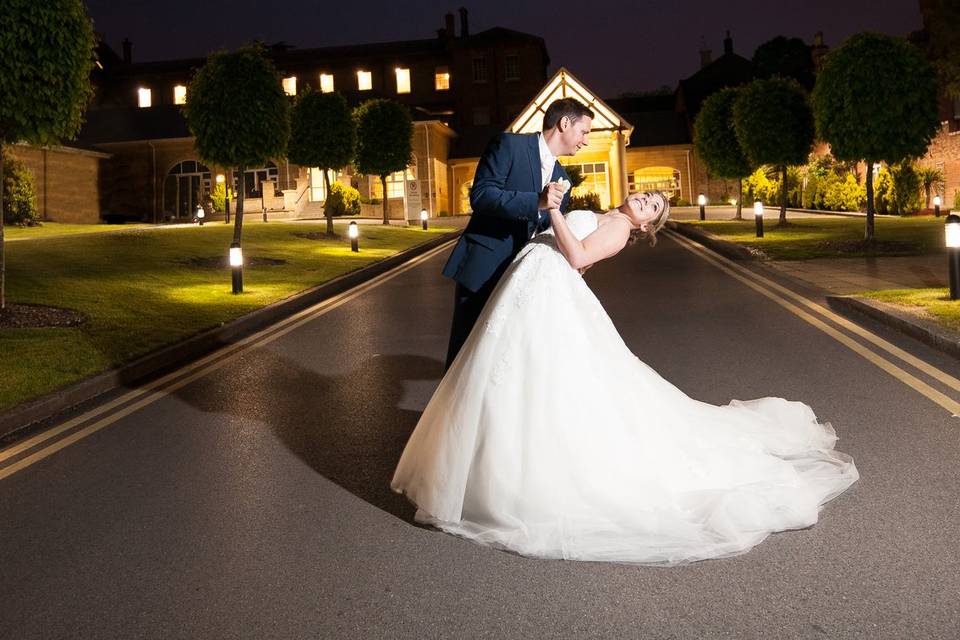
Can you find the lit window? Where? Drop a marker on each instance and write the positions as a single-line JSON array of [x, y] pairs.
[[364, 80], [179, 94], [144, 97], [479, 69], [394, 185], [511, 67], [290, 86], [442, 79], [403, 80], [326, 83]]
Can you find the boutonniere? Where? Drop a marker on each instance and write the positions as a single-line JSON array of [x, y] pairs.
[[564, 184]]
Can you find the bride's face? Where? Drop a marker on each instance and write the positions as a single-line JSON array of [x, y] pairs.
[[642, 209]]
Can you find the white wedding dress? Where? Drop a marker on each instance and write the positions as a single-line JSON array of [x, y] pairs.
[[548, 437]]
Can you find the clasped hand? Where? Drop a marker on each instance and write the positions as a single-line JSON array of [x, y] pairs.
[[551, 196]]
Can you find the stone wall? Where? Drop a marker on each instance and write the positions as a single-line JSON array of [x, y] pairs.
[[944, 154], [65, 181]]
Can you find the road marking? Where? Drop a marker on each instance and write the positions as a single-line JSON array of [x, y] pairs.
[[767, 287], [200, 368]]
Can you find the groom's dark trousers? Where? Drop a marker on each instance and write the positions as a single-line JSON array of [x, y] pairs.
[[504, 199]]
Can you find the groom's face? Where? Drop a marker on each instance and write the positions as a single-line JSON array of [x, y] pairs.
[[574, 134]]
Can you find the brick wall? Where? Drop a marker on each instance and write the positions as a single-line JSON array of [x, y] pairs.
[[944, 154], [66, 182]]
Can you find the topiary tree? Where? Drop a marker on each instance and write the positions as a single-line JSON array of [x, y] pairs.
[[717, 144], [46, 55], [786, 58], [774, 125], [384, 132], [876, 99], [323, 134], [19, 197], [238, 113]]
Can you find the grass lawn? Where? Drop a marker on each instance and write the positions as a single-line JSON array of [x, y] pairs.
[[932, 304], [143, 289], [824, 237], [54, 229]]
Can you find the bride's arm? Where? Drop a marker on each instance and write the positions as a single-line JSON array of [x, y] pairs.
[[606, 241]]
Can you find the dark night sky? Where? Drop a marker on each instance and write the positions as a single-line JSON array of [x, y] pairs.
[[612, 45]]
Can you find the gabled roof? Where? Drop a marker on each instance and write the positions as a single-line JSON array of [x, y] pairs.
[[655, 120], [729, 70], [564, 84]]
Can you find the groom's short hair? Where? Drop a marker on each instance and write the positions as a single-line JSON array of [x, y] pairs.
[[569, 107]]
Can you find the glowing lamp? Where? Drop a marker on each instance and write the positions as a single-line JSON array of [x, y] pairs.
[[701, 200], [353, 231], [758, 214], [236, 266], [936, 205], [953, 253], [423, 218], [201, 214]]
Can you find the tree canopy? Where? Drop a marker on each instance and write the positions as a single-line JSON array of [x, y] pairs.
[[876, 99], [715, 138], [774, 125], [786, 58], [323, 134], [238, 113], [46, 56], [384, 145]]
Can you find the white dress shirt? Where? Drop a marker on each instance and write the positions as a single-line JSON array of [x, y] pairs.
[[547, 162]]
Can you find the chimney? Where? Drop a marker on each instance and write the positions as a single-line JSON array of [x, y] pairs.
[[706, 57], [449, 25], [464, 23], [818, 39], [127, 51], [727, 44]]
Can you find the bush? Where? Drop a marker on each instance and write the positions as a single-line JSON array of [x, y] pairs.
[[343, 201], [845, 194], [905, 197], [19, 199], [589, 201], [956, 199], [882, 191]]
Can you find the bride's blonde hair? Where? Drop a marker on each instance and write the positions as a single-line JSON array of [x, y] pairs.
[[653, 226]]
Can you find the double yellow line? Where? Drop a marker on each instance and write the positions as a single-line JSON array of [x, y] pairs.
[[43, 444], [818, 315]]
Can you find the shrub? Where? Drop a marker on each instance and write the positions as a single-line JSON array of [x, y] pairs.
[[905, 197], [343, 200], [589, 201], [19, 199], [882, 191], [845, 194], [956, 199]]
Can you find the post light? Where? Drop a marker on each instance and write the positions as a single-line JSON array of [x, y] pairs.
[[200, 215], [423, 218], [936, 205], [264, 214], [953, 253], [702, 200], [758, 214], [236, 266], [354, 232]]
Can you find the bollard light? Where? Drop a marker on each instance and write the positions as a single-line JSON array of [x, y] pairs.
[[264, 214], [702, 200], [953, 253], [200, 215], [236, 266], [423, 218], [758, 214], [937, 201], [354, 232]]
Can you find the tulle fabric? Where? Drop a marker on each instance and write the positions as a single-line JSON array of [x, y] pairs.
[[549, 438]]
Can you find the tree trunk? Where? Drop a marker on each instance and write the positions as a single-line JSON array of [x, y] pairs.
[[238, 216], [740, 200], [868, 234], [783, 195], [327, 213], [3, 266], [386, 212]]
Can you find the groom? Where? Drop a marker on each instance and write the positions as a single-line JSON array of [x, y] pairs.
[[514, 186]]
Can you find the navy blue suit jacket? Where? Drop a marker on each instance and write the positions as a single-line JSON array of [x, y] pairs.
[[504, 198]]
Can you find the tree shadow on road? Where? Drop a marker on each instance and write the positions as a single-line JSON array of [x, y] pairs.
[[350, 428]]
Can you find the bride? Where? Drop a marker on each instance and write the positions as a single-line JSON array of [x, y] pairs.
[[549, 438]]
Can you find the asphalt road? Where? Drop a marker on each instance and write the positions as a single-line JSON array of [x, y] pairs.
[[253, 502]]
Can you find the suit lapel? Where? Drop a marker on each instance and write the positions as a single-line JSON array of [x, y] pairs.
[[533, 147]]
